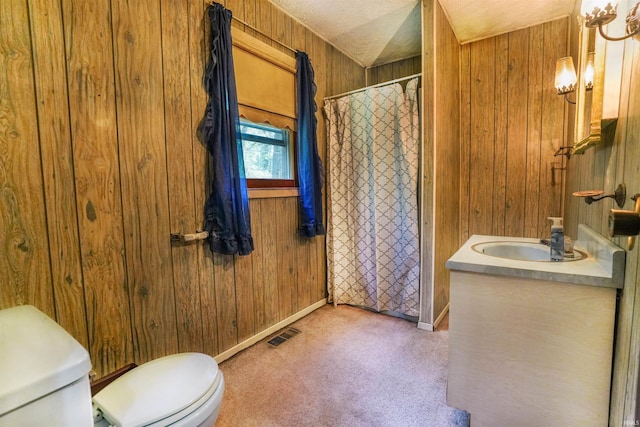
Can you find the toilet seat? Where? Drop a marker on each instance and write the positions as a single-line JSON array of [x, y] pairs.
[[161, 392]]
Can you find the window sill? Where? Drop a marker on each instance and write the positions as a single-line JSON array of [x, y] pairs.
[[271, 193]]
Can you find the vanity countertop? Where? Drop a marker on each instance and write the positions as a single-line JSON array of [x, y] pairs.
[[604, 266]]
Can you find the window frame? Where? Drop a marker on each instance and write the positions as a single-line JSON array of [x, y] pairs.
[[265, 117], [278, 110]]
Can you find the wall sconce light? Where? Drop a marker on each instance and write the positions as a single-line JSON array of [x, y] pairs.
[[600, 12], [566, 79]]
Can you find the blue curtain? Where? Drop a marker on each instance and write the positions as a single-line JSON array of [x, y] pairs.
[[227, 208], [310, 170]]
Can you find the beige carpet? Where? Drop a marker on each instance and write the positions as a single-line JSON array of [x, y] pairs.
[[348, 367]]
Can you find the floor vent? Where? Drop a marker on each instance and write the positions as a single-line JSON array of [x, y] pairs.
[[283, 336]]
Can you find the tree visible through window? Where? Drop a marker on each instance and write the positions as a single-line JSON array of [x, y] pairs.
[[267, 153]]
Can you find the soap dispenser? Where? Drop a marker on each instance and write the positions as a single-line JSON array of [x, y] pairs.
[[557, 239]]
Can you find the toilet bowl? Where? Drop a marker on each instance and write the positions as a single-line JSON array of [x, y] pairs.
[[44, 376]]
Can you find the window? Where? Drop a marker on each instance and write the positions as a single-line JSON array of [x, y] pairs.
[[265, 80], [267, 152]]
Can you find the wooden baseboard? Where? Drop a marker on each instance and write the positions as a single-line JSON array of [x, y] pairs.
[[273, 329], [441, 316]]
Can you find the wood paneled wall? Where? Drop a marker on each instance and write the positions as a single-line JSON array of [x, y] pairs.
[[394, 70], [100, 161], [446, 134], [604, 167], [512, 121], [440, 159]]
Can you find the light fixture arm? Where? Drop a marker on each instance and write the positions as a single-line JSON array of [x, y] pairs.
[[635, 28], [566, 97]]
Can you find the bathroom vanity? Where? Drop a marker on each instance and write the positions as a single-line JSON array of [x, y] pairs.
[[531, 342]]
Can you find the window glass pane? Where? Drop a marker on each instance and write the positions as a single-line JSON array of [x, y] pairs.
[[266, 151]]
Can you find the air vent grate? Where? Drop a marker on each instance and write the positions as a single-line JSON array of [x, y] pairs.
[[283, 336]]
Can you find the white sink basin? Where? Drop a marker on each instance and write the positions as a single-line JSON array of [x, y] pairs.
[[523, 251]]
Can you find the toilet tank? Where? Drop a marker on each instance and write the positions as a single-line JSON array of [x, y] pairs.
[[43, 372]]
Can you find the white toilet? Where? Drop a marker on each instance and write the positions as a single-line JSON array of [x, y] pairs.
[[44, 381]]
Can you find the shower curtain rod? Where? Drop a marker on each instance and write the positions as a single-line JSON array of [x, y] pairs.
[[376, 85]]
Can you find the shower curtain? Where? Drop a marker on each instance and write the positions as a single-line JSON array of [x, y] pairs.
[[373, 257]]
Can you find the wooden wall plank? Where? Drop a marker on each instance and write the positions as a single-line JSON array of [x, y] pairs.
[[447, 158], [25, 270], [282, 30], [317, 247], [298, 38], [533, 132], [91, 82], [143, 160], [269, 209], [465, 140], [264, 21], [287, 269], [394, 70], [250, 16], [482, 135], [552, 133], [225, 301], [257, 265], [57, 165], [245, 305], [517, 132], [198, 55], [180, 172], [500, 142], [237, 10]]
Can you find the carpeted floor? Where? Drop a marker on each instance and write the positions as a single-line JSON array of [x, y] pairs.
[[348, 367]]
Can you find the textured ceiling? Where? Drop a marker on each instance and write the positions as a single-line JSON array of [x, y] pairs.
[[370, 32], [375, 32], [478, 19]]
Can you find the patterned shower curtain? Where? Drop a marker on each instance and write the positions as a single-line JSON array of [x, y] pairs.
[[373, 254]]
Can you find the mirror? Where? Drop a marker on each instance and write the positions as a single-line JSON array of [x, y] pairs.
[[588, 120], [597, 109]]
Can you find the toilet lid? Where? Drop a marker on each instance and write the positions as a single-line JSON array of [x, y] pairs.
[[157, 389]]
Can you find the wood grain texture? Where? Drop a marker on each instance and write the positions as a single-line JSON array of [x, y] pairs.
[[426, 185], [143, 163], [394, 70], [517, 132], [500, 143], [270, 280], [511, 124], [552, 172], [25, 271], [534, 125], [57, 166], [198, 42], [447, 158], [482, 136], [123, 167], [626, 369], [92, 105], [465, 140], [180, 173]]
